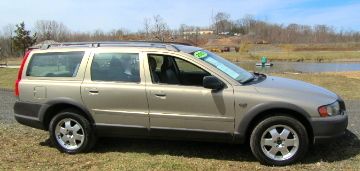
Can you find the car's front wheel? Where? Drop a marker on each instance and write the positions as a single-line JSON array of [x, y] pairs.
[[279, 140], [71, 133]]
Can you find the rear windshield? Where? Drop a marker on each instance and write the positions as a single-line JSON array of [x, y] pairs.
[[57, 64]]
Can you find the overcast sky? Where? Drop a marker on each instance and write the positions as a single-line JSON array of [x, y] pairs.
[[89, 15]]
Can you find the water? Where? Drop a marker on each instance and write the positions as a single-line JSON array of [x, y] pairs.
[[302, 67]]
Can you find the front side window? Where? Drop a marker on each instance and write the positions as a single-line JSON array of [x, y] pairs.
[[172, 70], [122, 67], [57, 64]]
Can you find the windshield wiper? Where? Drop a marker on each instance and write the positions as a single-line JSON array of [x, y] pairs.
[[258, 74], [249, 79]]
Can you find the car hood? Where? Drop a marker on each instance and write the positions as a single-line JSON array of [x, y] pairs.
[[294, 89]]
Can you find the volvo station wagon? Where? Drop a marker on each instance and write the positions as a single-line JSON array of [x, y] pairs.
[[81, 91]]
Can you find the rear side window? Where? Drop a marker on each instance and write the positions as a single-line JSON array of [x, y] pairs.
[[122, 67], [57, 64]]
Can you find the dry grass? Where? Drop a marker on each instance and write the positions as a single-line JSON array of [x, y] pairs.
[[12, 60], [352, 74], [24, 148], [7, 77]]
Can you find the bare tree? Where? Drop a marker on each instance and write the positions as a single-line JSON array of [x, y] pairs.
[[117, 34], [160, 29], [250, 29], [147, 28], [51, 30], [222, 22], [6, 40]]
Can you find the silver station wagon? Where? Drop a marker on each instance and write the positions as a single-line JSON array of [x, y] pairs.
[[81, 91]]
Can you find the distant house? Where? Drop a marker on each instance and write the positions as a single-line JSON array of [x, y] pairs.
[[201, 32], [262, 42], [224, 33]]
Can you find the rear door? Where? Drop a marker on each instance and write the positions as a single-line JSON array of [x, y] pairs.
[[114, 90]]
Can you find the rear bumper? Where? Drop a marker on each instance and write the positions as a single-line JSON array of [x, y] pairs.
[[326, 129], [28, 114], [29, 121]]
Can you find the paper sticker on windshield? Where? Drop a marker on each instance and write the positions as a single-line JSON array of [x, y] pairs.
[[200, 54]]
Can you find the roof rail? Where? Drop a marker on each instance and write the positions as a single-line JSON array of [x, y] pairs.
[[167, 45]]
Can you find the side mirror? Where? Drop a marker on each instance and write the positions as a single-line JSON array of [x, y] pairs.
[[212, 82]]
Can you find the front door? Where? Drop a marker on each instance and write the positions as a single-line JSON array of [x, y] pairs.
[[179, 102]]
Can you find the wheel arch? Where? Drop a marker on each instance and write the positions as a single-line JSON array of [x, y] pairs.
[[54, 106], [262, 111]]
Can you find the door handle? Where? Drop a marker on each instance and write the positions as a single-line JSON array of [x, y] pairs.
[[93, 91], [160, 94]]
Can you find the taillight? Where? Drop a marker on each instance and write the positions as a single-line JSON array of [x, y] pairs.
[[20, 73]]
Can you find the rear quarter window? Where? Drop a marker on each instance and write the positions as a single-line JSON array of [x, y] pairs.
[[56, 64]]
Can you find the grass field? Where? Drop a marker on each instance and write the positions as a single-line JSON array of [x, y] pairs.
[[11, 60], [8, 77], [29, 149]]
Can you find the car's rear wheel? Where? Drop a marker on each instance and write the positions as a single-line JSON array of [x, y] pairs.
[[71, 133], [279, 140]]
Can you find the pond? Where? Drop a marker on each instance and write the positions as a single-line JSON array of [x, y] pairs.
[[302, 67]]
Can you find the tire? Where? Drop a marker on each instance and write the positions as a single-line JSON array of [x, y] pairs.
[[279, 140], [71, 133]]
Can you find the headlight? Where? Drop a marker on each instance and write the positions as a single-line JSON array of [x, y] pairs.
[[330, 110]]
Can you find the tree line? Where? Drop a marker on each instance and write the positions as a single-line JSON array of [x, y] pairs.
[[257, 30], [14, 39]]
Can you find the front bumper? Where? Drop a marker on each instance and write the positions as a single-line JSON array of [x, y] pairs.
[[325, 129]]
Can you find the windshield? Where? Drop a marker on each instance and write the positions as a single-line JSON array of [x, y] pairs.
[[224, 65]]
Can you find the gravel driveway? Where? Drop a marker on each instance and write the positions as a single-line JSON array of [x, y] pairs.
[[7, 101]]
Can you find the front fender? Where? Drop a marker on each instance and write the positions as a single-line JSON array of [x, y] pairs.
[[246, 120]]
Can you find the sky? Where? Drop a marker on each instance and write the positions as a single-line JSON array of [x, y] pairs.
[[90, 15]]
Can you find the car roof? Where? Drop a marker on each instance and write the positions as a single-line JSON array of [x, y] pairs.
[[170, 46]]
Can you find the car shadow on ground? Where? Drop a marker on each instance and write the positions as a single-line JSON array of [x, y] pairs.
[[338, 150]]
